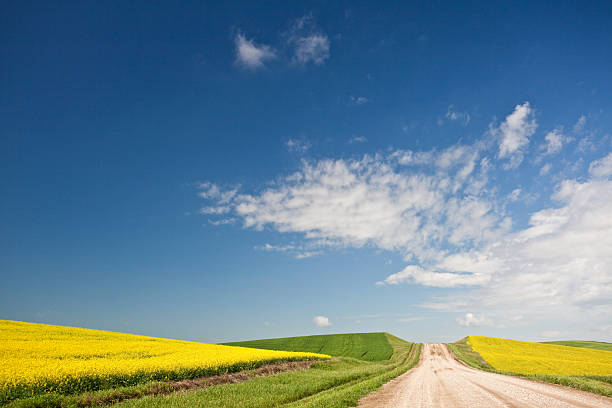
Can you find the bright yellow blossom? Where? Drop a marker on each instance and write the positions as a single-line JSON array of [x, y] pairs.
[[40, 358], [524, 357]]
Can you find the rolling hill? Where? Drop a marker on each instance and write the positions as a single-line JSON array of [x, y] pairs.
[[362, 346]]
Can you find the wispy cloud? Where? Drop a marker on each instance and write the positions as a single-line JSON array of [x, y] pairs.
[[514, 134], [358, 139], [555, 140], [251, 55], [441, 211], [309, 43], [455, 116], [297, 145], [602, 167], [358, 100], [223, 221], [472, 320]]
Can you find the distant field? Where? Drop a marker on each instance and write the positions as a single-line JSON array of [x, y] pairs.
[[38, 358], [582, 368], [362, 346], [597, 345], [536, 358]]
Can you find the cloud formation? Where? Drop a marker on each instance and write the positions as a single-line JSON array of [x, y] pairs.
[[442, 213], [514, 134], [251, 55], [601, 167], [321, 321], [555, 140], [472, 320], [310, 45], [452, 115], [297, 145]]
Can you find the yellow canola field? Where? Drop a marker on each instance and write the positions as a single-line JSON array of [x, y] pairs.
[[45, 358], [524, 357]]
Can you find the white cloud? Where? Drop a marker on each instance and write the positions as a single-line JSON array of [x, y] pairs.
[[321, 321], [545, 169], [472, 320], [514, 134], [357, 139], [215, 210], [278, 248], [415, 274], [295, 145], [560, 265], [358, 100], [602, 167], [555, 140], [309, 44], [514, 195], [580, 124], [251, 55], [223, 221], [410, 319], [376, 201], [453, 115], [439, 211]]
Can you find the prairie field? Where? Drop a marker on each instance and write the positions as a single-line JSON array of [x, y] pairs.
[[362, 346], [536, 358], [362, 362], [38, 358]]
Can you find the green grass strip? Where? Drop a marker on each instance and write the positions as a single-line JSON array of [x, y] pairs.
[[362, 346]]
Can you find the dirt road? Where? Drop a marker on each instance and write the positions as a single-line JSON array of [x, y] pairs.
[[441, 381]]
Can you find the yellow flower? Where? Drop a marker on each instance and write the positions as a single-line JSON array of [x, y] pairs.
[[524, 357], [67, 359]]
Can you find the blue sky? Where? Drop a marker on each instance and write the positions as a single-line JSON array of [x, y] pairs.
[[230, 171]]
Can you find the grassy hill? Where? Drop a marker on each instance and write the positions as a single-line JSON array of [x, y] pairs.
[[597, 345], [362, 346], [363, 362]]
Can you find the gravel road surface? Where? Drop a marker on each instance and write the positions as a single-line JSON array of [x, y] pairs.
[[442, 381]]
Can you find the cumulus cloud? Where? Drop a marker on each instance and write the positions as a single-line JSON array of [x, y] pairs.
[[251, 55], [321, 321], [379, 201], [514, 134], [601, 167], [310, 45], [561, 264], [472, 320], [440, 211]]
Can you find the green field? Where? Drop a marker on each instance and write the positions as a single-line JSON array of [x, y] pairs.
[[597, 345], [597, 384], [362, 346], [338, 383]]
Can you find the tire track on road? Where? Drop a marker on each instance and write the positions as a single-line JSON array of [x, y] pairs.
[[439, 380]]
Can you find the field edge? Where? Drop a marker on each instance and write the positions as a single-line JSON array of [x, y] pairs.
[[601, 385]]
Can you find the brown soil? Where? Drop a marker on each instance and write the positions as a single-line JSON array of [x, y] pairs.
[[164, 388]]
